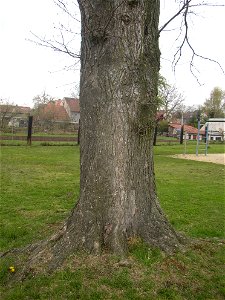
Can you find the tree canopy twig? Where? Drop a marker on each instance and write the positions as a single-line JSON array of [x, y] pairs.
[[183, 12]]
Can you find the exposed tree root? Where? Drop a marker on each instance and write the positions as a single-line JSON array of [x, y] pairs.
[[48, 255]]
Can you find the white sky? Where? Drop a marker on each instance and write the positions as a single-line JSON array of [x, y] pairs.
[[27, 69]]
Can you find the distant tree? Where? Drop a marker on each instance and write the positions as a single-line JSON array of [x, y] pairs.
[[75, 91], [170, 100], [42, 99], [193, 119], [188, 115], [42, 117], [163, 126], [7, 110], [214, 106]]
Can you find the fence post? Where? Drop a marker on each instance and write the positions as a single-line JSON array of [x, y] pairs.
[[198, 136], [29, 132], [206, 138], [181, 134]]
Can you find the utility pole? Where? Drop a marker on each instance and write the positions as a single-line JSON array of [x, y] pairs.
[[182, 129], [198, 136]]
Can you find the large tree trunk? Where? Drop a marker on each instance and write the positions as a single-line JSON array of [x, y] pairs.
[[119, 75]]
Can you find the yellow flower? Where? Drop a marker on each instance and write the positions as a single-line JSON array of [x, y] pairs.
[[12, 269]]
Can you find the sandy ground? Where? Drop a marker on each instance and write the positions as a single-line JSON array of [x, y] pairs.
[[213, 158]]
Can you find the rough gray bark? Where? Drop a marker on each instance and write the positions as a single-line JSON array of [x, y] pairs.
[[119, 75]]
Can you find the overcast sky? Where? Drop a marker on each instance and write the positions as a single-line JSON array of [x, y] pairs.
[[27, 70]]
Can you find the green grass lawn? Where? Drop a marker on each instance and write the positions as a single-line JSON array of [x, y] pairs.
[[170, 149], [39, 186]]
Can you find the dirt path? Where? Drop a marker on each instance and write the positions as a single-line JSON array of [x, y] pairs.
[[213, 158]]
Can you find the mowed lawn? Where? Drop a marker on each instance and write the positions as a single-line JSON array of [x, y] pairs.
[[39, 186]]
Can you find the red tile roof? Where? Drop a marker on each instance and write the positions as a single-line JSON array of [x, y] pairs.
[[56, 111], [24, 109], [73, 103], [15, 109], [187, 128]]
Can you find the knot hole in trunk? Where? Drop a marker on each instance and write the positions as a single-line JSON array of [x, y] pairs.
[[132, 3]]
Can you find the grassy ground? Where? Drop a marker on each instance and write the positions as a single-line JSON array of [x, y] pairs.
[[38, 188]]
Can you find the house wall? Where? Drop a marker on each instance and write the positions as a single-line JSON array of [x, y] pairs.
[[189, 136], [216, 126], [66, 106], [216, 129], [215, 137], [74, 116]]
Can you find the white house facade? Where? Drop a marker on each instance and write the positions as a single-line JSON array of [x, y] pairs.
[[72, 107], [216, 129]]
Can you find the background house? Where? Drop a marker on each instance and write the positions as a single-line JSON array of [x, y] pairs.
[[54, 111], [65, 110], [72, 107], [14, 115], [48, 115], [57, 115], [216, 129], [190, 132]]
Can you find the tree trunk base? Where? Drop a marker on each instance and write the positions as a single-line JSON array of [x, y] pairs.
[[48, 255]]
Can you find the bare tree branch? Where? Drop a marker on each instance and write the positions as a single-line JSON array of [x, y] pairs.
[[174, 17], [61, 4], [178, 54], [186, 4], [64, 41], [55, 45], [185, 10], [170, 99]]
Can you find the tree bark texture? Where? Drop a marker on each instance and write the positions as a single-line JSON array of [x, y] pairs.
[[120, 62]]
